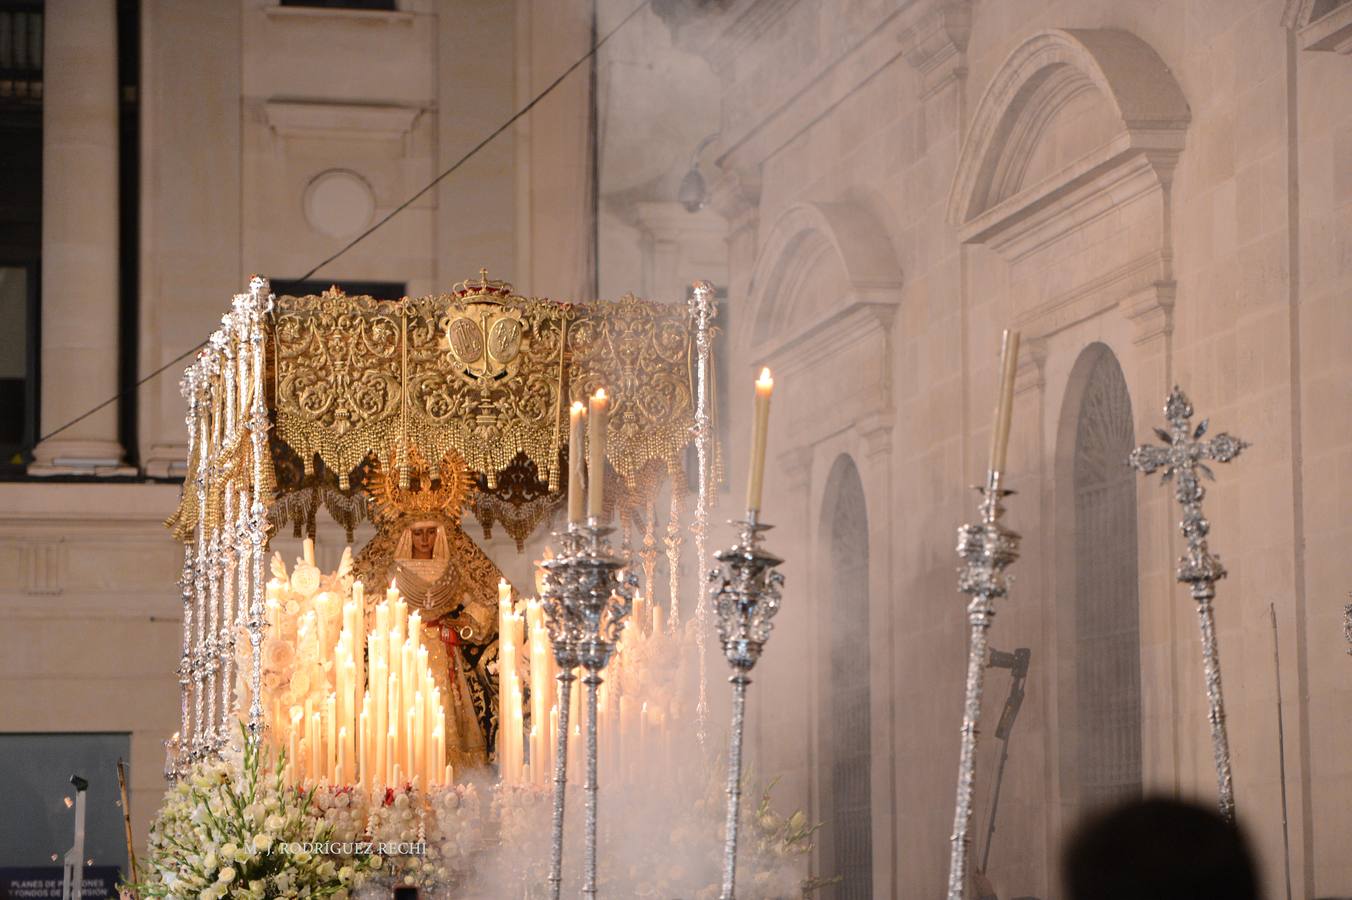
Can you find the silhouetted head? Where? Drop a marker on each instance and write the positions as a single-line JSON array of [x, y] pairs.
[[1162, 850]]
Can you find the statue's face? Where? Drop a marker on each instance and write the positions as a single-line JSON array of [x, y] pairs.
[[424, 539]]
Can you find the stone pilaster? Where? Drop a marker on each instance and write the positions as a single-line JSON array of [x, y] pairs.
[[79, 239]]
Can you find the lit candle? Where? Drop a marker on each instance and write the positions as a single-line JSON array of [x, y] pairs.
[[322, 624], [760, 426], [342, 757], [518, 735], [392, 717], [363, 737], [504, 597], [308, 549], [419, 722], [536, 769], [359, 594], [391, 773], [597, 415], [439, 735], [383, 617], [392, 593], [317, 765], [293, 745], [637, 616], [408, 756], [1009, 365], [553, 728], [577, 416], [643, 736], [331, 738]]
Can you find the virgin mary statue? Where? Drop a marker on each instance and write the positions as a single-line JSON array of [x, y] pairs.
[[421, 549], [454, 620]]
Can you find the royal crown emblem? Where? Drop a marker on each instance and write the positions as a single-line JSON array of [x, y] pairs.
[[484, 336]]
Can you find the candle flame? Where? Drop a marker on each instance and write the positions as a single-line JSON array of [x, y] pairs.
[[391, 584], [765, 379], [578, 408], [600, 394]]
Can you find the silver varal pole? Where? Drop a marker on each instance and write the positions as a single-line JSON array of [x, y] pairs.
[[745, 590], [564, 634], [702, 311], [987, 549], [588, 593], [1182, 460]]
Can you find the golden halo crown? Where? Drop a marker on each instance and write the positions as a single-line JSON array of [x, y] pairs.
[[427, 491]]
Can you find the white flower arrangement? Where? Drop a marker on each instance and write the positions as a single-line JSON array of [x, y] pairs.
[[227, 829]]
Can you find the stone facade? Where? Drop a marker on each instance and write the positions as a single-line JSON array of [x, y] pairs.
[[892, 183], [1168, 185]]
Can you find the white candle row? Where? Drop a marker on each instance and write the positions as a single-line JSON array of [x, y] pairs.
[[628, 728], [385, 726]]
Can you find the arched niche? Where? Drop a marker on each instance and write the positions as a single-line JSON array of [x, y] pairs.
[[1065, 172], [845, 732], [819, 259], [1098, 667], [825, 288]]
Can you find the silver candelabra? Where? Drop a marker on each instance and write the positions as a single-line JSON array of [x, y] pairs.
[[986, 548], [745, 592], [587, 595], [1181, 461]]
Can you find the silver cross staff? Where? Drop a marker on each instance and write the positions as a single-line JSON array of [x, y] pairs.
[[1181, 460]]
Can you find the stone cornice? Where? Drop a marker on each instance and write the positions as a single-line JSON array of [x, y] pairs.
[[293, 118], [1073, 197], [113, 508], [936, 45], [832, 336]]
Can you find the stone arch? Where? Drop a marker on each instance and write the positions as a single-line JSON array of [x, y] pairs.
[[810, 247], [846, 732], [1129, 85], [1098, 667], [1320, 24]]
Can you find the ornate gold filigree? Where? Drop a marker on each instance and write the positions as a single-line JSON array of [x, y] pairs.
[[339, 377], [485, 379], [518, 503], [483, 374], [640, 353]]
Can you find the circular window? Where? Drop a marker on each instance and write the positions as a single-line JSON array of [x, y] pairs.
[[339, 203]]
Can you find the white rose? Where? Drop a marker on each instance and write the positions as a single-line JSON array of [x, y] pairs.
[[262, 842], [227, 875], [278, 654], [305, 580]]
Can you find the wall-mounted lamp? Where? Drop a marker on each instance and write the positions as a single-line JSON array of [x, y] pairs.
[[694, 193]]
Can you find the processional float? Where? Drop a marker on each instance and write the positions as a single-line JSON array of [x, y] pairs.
[[354, 405]]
